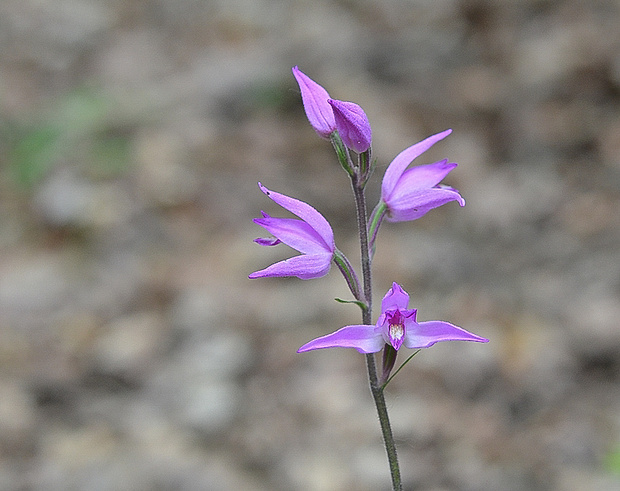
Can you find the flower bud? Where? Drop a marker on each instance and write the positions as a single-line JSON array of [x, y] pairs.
[[314, 98], [352, 125]]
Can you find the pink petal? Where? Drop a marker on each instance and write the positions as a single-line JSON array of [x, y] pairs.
[[423, 176], [352, 125], [363, 338], [402, 161], [395, 298], [294, 233], [416, 203], [306, 212], [426, 334], [306, 267], [314, 98], [268, 241]]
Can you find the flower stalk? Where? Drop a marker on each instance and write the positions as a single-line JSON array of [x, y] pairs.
[[376, 389]]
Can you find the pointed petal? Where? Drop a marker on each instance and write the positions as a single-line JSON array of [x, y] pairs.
[[395, 298], [417, 203], [426, 334], [402, 161], [306, 212], [361, 337], [294, 233], [314, 98], [306, 267], [352, 125], [423, 176]]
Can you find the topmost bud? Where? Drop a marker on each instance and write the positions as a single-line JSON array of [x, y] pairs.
[[352, 125], [314, 98]]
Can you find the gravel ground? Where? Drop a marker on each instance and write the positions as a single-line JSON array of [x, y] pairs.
[[136, 355]]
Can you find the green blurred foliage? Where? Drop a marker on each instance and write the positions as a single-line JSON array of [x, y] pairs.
[[612, 460], [33, 153], [76, 129]]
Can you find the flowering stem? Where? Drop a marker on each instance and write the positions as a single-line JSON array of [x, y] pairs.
[[375, 387]]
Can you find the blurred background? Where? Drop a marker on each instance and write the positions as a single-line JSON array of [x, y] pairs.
[[136, 355]]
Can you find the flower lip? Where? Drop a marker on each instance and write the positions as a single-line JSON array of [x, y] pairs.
[[314, 98], [311, 235], [397, 326], [352, 125]]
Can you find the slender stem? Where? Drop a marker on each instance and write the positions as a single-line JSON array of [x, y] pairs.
[[360, 205], [375, 388]]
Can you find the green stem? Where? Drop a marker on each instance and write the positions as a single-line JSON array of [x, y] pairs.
[[375, 387], [360, 206]]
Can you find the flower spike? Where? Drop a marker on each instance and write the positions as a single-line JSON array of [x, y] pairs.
[[397, 325], [312, 236]]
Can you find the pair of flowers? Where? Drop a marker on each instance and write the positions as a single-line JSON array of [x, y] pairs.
[[406, 194]]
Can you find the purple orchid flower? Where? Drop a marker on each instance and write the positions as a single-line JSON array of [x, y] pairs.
[[409, 194], [314, 98], [352, 125], [396, 326], [312, 236]]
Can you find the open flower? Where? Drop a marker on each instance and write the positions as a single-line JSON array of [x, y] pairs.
[[408, 194], [314, 98], [396, 326], [352, 125], [312, 236]]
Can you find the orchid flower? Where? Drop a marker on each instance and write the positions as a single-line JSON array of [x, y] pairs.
[[314, 98], [352, 125], [312, 236], [396, 326], [408, 194]]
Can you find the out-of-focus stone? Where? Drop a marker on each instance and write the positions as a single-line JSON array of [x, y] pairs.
[[594, 325], [33, 283], [17, 417], [162, 168], [53, 35], [208, 407], [131, 345], [68, 200]]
